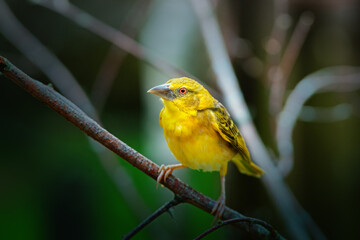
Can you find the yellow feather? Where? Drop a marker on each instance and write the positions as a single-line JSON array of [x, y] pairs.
[[200, 132]]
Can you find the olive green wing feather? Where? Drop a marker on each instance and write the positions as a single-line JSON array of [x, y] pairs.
[[225, 126]]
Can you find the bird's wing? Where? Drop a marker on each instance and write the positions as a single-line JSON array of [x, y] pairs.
[[224, 125]]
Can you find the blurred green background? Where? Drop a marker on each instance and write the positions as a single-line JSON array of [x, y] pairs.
[[52, 183]]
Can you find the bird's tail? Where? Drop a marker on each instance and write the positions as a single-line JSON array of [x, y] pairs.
[[246, 166]]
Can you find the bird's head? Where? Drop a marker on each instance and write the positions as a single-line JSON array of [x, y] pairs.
[[186, 94]]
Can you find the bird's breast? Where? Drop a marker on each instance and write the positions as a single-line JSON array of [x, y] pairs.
[[194, 142]]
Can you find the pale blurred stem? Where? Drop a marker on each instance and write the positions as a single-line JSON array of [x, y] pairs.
[[329, 79], [335, 113], [234, 100], [117, 38], [106, 77], [61, 77], [41, 57], [111, 65], [283, 70], [164, 208], [274, 234], [112, 35], [230, 31], [277, 37], [76, 116], [229, 27]]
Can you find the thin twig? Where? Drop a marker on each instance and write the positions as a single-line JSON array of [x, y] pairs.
[[239, 48], [234, 100], [164, 208], [274, 234], [117, 38], [76, 116], [45, 60], [115, 56], [281, 23], [282, 72], [61, 77], [334, 79], [112, 35]]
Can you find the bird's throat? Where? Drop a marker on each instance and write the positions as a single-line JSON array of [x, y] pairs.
[[173, 108]]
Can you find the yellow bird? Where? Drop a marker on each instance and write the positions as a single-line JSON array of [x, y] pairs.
[[200, 133]]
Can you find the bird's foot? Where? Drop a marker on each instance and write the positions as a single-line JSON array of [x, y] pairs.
[[218, 209], [164, 171]]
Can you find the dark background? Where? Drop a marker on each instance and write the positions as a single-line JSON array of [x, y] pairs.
[[52, 184]]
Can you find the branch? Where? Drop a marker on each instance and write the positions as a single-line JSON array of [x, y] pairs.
[[110, 66], [73, 114], [274, 234], [335, 113], [328, 79], [234, 100], [273, 48], [117, 38], [45, 60], [61, 77], [282, 72], [164, 208]]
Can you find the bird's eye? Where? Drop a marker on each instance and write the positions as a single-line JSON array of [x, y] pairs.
[[183, 91]]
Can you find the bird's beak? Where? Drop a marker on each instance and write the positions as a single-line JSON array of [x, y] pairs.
[[163, 91]]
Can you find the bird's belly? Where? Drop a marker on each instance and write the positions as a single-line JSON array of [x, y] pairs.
[[203, 149]]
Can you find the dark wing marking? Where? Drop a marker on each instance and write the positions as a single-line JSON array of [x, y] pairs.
[[228, 130]]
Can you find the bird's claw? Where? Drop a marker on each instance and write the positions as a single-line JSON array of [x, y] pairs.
[[218, 209], [164, 171]]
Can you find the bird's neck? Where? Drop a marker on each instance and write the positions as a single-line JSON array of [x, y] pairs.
[[175, 122], [172, 108]]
